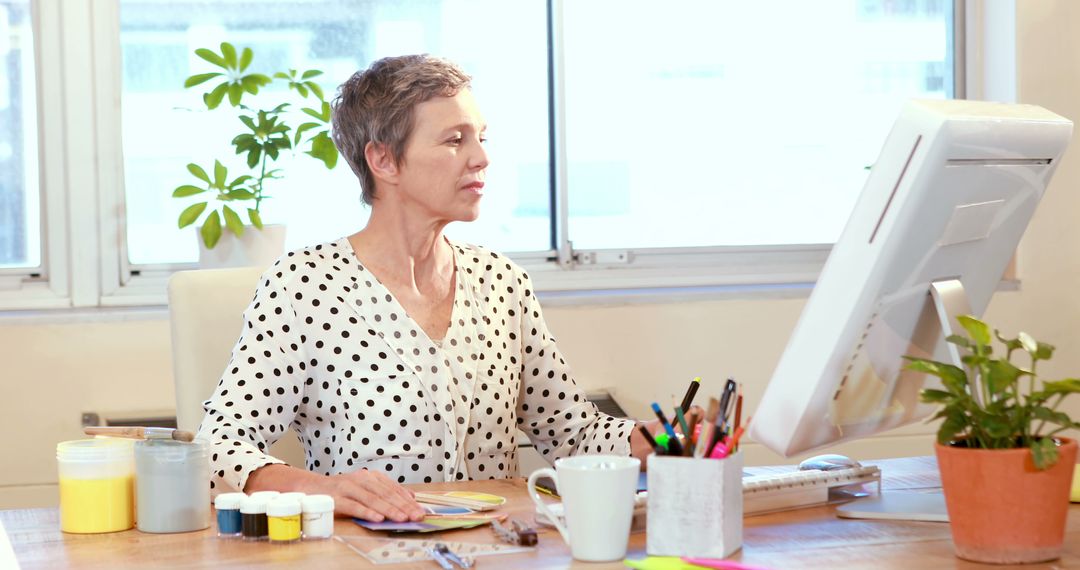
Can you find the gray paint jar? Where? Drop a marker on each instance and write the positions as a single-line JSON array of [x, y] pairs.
[[172, 482]]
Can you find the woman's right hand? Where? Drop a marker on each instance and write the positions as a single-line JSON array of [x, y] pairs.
[[372, 496], [369, 495]]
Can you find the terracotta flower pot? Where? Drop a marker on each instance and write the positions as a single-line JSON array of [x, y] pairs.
[[1001, 509]]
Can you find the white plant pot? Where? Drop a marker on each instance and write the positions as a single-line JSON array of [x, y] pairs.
[[255, 248]]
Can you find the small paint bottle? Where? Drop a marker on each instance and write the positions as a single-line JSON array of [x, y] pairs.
[[228, 514], [253, 524], [283, 520], [318, 517]]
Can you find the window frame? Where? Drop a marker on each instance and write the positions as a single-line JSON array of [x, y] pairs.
[[84, 257]]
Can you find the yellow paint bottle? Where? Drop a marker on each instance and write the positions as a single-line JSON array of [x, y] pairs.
[[97, 479], [283, 520]]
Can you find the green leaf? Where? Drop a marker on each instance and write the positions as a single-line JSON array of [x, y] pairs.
[[253, 157], [1001, 374], [955, 423], [1044, 453], [1010, 343], [240, 194], [314, 113], [958, 340], [996, 426], [240, 180], [213, 98], [953, 377], [187, 190], [1066, 386], [282, 75], [211, 230], [259, 78], [932, 396], [315, 89], [249, 85], [198, 172], [200, 78], [976, 329], [211, 57], [229, 52], [302, 128], [245, 58], [301, 89], [1044, 351], [256, 219], [1046, 414], [311, 73], [236, 92], [220, 172], [232, 221], [248, 121], [190, 214]]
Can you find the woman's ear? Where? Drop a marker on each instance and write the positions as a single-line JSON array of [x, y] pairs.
[[381, 162]]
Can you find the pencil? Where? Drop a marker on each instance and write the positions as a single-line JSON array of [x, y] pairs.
[[690, 392], [738, 409], [707, 427], [681, 418], [649, 438]]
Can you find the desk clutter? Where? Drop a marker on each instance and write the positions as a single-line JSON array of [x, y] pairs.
[[277, 517], [160, 482]]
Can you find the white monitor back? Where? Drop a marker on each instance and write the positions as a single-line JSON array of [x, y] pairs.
[[949, 197]]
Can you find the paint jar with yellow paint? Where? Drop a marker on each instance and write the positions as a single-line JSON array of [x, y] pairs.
[[97, 479], [283, 520]]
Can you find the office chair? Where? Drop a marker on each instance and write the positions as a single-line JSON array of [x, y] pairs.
[[206, 310]]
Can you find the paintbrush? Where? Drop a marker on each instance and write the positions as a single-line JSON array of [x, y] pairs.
[[139, 432]]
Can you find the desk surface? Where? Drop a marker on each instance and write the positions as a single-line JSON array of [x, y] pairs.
[[806, 538]]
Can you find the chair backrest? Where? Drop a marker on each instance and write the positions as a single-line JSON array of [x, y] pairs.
[[206, 310]]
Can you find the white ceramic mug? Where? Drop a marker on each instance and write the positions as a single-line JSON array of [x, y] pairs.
[[598, 502]]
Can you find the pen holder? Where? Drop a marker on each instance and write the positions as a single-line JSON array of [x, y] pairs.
[[695, 506]]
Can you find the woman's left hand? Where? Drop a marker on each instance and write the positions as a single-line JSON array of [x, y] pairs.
[[641, 448]]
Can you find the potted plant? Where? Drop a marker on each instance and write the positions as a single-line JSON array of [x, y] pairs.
[[1005, 469], [224, 201]]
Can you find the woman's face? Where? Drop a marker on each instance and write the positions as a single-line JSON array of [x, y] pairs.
[[444, 162]]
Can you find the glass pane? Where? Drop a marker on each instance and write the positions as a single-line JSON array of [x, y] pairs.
[[166, 126], [735, 122], [20, 204]]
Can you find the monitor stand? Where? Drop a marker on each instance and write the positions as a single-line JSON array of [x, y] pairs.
[[951, 301], [898, 505]]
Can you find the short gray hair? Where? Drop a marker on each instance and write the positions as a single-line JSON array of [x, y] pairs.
[[377, 105]]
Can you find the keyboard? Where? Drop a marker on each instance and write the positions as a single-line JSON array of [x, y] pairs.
[[791, 490]]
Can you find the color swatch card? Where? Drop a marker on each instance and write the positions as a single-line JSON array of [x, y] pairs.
[[431, 523]]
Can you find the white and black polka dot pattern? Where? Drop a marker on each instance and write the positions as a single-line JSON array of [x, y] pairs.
[[326, 350]]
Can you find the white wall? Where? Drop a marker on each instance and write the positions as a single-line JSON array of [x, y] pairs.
[[52, 373]]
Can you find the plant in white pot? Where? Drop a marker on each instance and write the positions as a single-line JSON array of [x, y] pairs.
[[1005, 469], [223, 202]]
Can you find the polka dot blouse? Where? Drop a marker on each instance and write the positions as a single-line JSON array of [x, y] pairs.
[[327, 351]]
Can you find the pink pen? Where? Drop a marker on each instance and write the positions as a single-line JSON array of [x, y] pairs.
[[720, 564], [720, 451]]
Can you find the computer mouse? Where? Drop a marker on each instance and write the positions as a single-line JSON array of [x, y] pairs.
[[828, 462]]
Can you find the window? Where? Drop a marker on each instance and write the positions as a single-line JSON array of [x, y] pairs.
[[703, 142], [165, 126], [20, 204], [736, 123]]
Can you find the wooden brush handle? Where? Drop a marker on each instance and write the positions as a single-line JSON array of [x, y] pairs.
[[136, 432]]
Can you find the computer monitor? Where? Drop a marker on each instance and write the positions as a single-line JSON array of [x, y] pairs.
[[930, 237]]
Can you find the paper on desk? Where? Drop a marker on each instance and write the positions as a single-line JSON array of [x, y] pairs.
[[431, 523], [397, 550]]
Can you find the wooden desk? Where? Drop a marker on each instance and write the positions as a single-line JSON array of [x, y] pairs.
[[805, 538]]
